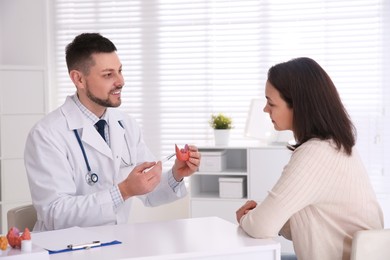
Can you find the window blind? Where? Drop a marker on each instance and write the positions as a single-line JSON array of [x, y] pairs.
[[184, 60]]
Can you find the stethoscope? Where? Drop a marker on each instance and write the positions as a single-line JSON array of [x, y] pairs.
[[91, 178]]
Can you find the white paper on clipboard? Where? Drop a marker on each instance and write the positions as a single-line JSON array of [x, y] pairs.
[[58, 240]]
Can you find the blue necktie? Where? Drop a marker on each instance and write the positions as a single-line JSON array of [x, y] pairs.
[[100, 128]]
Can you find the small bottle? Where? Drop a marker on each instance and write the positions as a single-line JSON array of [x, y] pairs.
[[26, 245]]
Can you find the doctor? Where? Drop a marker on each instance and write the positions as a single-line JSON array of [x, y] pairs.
[[79, 177]]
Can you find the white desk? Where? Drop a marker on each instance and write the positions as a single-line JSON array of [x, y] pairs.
[[196, 238]]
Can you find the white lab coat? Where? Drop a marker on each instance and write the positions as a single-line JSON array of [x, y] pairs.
[[56, 169]]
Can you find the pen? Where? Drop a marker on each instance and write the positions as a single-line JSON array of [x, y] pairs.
[[163, 160], [84, 246], [167, 158]]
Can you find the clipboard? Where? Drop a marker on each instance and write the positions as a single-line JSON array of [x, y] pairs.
[[71, 239]]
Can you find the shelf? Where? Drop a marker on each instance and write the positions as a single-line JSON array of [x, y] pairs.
[[216, 198], [228, 172], [206, 195], [231, 161], [208, 186]]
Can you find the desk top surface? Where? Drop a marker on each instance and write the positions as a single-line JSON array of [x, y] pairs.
[[183, 238]]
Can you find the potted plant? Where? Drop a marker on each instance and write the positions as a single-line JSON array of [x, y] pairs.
[[221, 125]]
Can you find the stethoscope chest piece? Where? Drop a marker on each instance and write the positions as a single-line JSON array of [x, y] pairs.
[[91, 178]]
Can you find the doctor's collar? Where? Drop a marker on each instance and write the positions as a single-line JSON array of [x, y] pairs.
[[104, 116], [87, 113]]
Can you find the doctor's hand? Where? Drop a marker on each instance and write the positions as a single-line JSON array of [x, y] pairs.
[[249, 205], [141, 180], [183, 169]]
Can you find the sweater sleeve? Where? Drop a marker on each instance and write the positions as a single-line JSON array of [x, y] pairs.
[[302, 182]]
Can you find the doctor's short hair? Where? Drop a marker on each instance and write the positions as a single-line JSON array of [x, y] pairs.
[[78, 53]]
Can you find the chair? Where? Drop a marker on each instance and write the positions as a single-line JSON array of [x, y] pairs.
[[22, 217], [371, 245]]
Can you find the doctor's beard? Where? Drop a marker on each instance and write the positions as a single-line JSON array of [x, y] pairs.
[[103, 102]]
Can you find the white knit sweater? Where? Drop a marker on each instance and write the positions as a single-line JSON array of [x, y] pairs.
[[322, 198]]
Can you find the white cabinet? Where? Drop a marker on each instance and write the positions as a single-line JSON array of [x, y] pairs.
[[260, 167], [265, 168], [205, 199]]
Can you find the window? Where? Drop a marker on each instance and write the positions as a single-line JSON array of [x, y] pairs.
[[184, 60]]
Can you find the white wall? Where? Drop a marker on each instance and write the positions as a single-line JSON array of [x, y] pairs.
[[23, 32], [23, 86]]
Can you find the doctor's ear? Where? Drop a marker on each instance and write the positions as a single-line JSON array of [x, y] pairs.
[[77, 77]]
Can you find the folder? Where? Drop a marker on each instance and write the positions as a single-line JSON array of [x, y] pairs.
[[70, 239]]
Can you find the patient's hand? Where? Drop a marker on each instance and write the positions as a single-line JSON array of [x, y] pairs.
[[249, 205]]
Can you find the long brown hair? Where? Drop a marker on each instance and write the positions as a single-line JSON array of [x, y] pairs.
[[318, 110]]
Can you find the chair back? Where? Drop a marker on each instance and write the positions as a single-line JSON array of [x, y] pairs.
[[371, 245], [22, 217]]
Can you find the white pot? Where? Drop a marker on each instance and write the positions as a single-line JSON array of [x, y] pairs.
[[221, 137]]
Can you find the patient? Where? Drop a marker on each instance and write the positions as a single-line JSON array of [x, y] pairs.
[[324, 194]]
